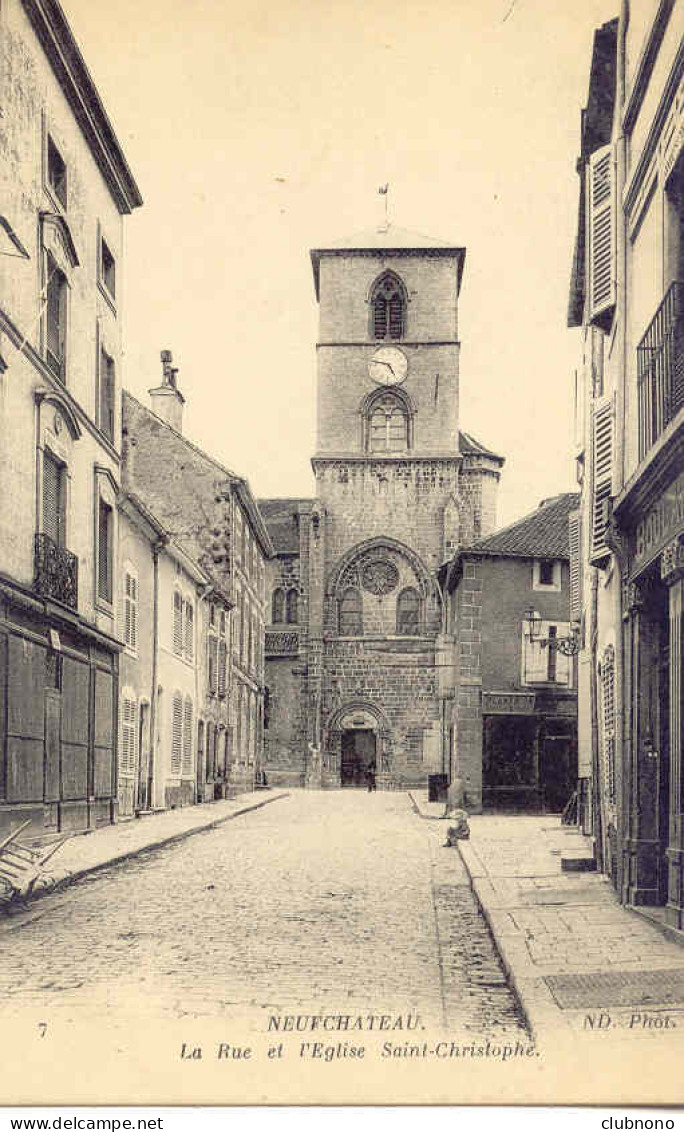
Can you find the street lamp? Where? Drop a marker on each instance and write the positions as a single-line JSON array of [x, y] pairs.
[[569, 646]]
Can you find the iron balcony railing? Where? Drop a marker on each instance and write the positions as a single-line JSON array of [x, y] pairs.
[[660, 369], [55, 571]]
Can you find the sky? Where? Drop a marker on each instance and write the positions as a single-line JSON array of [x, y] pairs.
[[258, 131]]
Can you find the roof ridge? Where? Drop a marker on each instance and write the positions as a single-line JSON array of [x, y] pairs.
[[190, 443], [482, 543]]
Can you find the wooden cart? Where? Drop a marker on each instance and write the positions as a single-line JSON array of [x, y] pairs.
[[21, 865]]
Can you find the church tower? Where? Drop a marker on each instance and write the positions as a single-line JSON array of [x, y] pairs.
[[391, 498], [354, 677]]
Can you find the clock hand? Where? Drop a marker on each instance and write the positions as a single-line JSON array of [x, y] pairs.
[[379, 362]]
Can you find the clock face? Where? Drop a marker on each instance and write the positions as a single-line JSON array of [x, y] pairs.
[[388, 366]]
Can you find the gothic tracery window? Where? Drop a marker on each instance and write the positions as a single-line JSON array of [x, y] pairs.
[[388, 308]]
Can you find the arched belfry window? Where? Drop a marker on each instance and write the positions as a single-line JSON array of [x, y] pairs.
[[350, 611], [278, 606], [388, 307], [291, 607], [408, 613]]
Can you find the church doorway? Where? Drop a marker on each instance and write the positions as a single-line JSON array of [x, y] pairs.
[[358, 754]]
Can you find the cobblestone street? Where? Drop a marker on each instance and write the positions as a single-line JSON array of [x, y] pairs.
[[340, 902]]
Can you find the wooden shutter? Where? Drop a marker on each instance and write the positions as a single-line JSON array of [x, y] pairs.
[[222, 659], [608, 720], [177, 623], [212, 663], [54, 512], [601, 237], [602, 476], [131, 611], [127, 754], [104, 551], [575, 547], [107, 394], [187, 737], [177, 734], [189, 631], [55, 318]]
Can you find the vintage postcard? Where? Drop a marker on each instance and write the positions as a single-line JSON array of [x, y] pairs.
[[341, 559]]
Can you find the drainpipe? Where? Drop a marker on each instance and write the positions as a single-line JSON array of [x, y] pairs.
[[156, 547]]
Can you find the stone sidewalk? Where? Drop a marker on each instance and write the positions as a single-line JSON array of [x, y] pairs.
[[85, 853], [579, 961]]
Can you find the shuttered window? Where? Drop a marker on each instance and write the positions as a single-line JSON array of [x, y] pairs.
[[176, 734], [222, 667], [130, 611], [608, 720], [177, 623], [601, 237], [380, 316], [104, 550], [212, 663], [188, 630], [351, 618], [127, 751], [408, 606], [388, 308], [55, 319], [575, 546], [602, 476], [107, 394], [54, 498], [187, 737]]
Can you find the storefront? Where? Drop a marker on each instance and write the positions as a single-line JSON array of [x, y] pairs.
[[529, 751], [651, 523]]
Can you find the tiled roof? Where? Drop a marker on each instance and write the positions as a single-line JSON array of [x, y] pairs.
[[280, 517], [389, 240], [469, 446], [179, 483], [542, 534], [387, 237]]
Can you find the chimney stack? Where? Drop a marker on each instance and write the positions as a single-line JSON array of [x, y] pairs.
[[166, 399]]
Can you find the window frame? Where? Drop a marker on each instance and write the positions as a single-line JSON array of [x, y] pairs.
[[358, 631], [105, 508], [405, 592], [555, 585], [104, 253], [58, 195]]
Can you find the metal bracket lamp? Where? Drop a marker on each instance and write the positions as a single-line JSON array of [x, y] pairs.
[[569, 646]]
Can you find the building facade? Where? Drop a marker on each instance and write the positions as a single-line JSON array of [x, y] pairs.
[[65, 187], [627, 299], [510, 691], [210, 618], [355, 606]]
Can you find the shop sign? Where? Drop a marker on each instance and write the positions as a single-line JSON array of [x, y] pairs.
[[508, 703], [659, 526]]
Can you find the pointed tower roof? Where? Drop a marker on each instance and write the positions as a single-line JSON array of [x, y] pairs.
[[388, 240]]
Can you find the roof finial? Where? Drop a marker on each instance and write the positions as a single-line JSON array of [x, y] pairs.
[[384, 192]]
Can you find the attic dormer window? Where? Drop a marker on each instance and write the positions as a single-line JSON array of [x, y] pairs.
[[388, 307]]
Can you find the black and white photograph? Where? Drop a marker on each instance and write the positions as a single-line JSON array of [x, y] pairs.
[[341, 552]]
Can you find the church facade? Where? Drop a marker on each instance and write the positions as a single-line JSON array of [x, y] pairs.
[[355, 648]]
